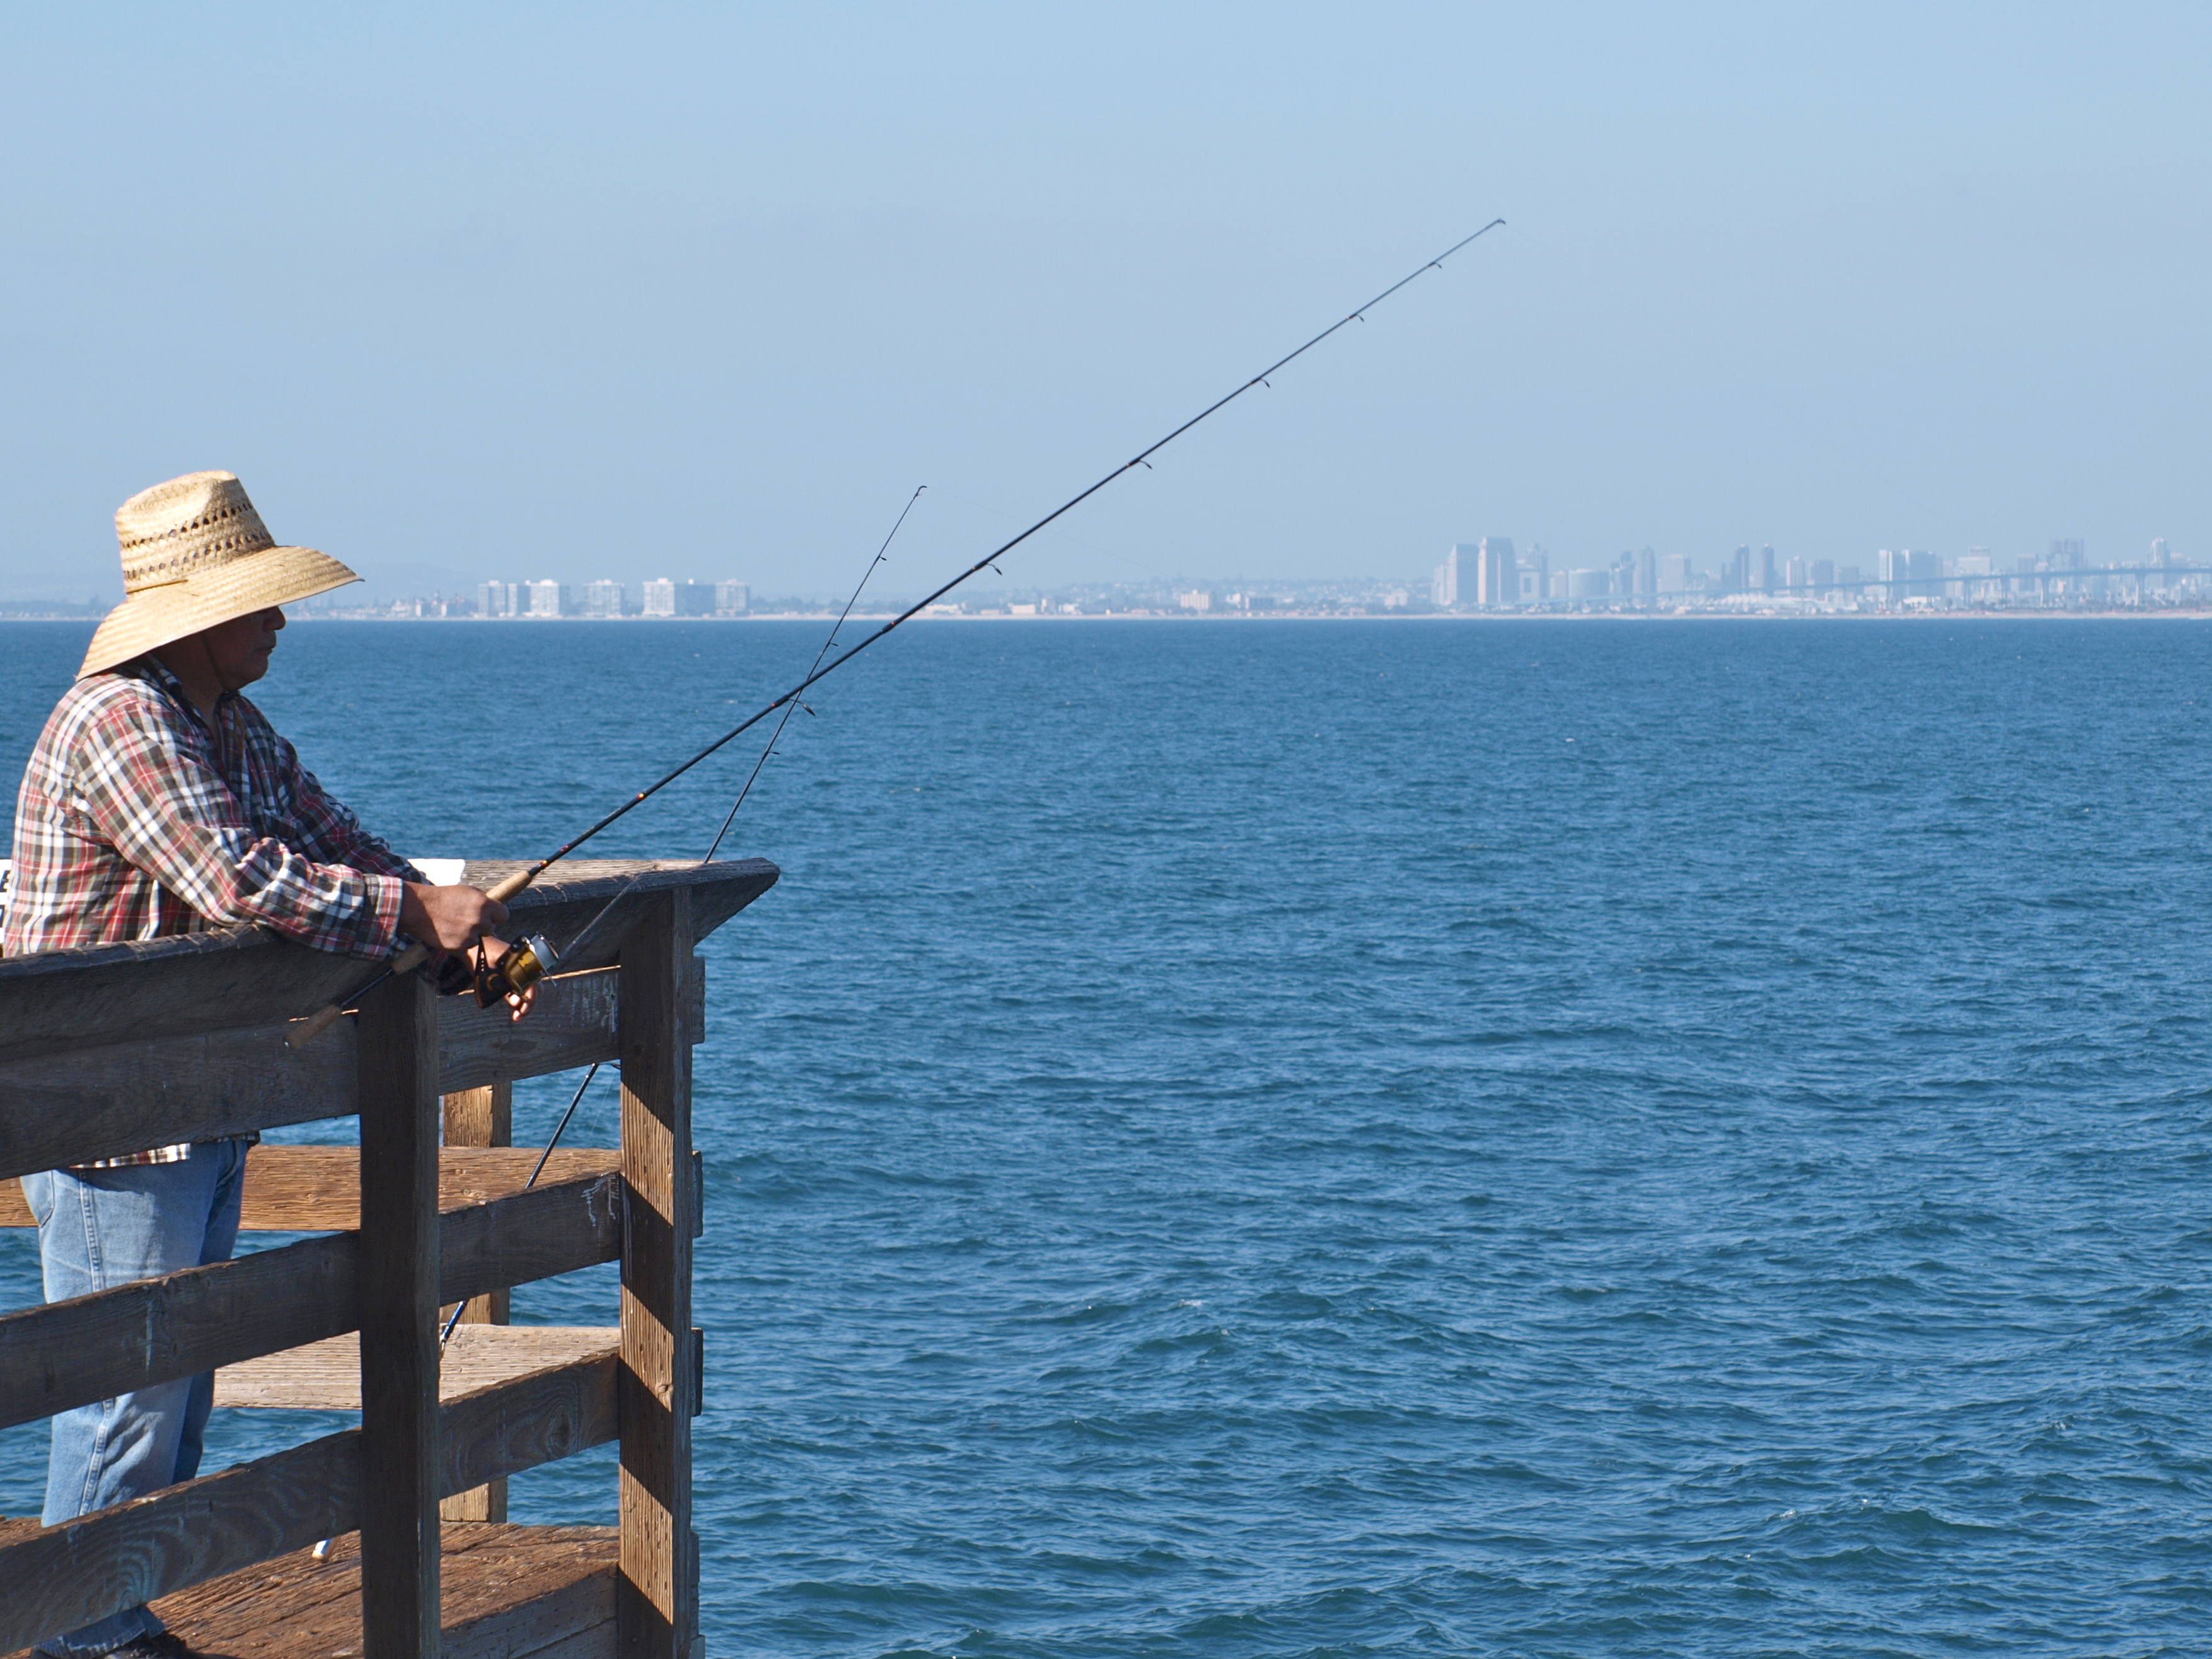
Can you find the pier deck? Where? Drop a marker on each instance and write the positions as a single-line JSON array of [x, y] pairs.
[[509, 1593]]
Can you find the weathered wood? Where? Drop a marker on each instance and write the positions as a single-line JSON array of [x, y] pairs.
[[59, 1578], [475, 1116], [317, 1189], [66, 1576], [399, 1291], [100, 1102], [326, 1376], [66, 1354], [510, 1592], [64, 1001], [657, 1604]]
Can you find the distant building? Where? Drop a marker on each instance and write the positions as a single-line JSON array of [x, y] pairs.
[[499, 599], [1497, 581], [603, 599], [1196, 600], [1925, 571], [1647, 574], [548, 598], [1890, 569], [659, 597], [1766, 573], [1798, 575], [1674, 574], [695, 599], [1586, 584], [1443, 590], [1536, 574], [1824, 573], [2066, 553], [732, 599]]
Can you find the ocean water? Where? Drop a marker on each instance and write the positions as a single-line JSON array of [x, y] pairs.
[[1333, 1138]]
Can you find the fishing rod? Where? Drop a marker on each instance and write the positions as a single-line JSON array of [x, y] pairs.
[[532, 967]]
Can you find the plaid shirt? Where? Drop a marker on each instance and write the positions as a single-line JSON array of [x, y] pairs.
[[136, 820]]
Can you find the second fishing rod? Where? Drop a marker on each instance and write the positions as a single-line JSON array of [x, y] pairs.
[[528, 961]]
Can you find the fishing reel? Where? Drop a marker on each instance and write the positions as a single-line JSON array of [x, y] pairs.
[[527, 960]]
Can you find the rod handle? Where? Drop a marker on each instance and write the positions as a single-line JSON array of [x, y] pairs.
[[508, 885], [327, 1017]]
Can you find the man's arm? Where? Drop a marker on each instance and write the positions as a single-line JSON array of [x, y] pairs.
[[164, 809]]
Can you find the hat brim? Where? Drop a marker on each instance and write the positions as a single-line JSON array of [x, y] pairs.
[[155, 617]]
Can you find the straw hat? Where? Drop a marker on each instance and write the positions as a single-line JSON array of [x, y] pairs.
[[196, 553]]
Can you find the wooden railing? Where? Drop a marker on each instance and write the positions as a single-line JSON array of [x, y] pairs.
[[105, 1052]]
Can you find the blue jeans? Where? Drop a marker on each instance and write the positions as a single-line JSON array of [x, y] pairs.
[[98, 1229]]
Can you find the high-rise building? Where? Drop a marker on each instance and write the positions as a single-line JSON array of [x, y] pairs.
[[548, 598], [1586, 584], [1498, 579], [1443, 591], [1925, 570], [1766, 582], [732, 599], [2066, 553], [1535, 577], [498, 599], [1647, 574], [603, 599], [1890, 568], [1798, 575], [1824, 573], [659, 597], [695, 599], [1674, 574]]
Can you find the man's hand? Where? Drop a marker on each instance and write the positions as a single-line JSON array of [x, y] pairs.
[[448, 918], [493, 950]]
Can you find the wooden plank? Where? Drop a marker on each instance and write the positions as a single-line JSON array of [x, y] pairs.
[[97, 1103], [657, 1604], [64, 1001], [66, 1354], [511, 1593], [474, 1117], [326, 1376], [102, 1102], [317, 1189], [398, 1294], [62, 1577]]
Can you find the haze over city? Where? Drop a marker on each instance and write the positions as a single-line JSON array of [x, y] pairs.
[[706, 295]]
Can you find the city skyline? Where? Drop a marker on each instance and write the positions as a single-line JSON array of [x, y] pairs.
[[745, 280]]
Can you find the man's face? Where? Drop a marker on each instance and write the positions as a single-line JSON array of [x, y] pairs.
[[238, 650]]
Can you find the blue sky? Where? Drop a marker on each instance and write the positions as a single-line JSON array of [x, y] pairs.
[[707, 291]]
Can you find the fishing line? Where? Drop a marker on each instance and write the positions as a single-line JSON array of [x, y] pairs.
[[407, 960], [775, 737], [559, 1129]]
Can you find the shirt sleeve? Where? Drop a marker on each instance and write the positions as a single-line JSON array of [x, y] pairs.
[[164, 809]]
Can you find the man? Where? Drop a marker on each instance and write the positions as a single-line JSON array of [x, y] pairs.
[[159, 800]]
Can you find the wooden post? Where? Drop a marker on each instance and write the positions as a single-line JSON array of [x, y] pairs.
[[399, 1062], [657, 1597], [479, 1117]]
